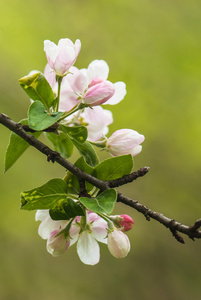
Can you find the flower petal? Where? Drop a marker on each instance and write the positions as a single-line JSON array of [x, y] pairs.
[[88, 249], [99, 230], [41, 214], [47, 226], [98, 69], [120, 92]]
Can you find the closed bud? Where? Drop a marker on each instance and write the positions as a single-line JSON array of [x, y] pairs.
[[125, 141], [99, 92], [118, 243], [126, 222]]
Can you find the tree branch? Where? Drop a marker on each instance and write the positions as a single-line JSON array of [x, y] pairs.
[[174, 226]]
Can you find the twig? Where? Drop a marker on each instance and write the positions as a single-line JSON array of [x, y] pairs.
[[128, 178], [174, 226]]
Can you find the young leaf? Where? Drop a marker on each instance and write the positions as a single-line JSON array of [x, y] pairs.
[[72, 181], [16, 147], [39, 118], [113, 168], [62, 143], [88, 152], [38, 88], [45, 196], [78, 133], [104, 203], [65, 210]]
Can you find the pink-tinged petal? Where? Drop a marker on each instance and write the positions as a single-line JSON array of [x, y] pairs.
[[50, 76], [88, 249], [51, 51], [120, 92], [99, 230], [99, 93], [98, 69], [118, 243], [77, 81], [68, 100], [57, 244], [47, 226], [97, 120], [92, 216], [41, 214], [95, 81]]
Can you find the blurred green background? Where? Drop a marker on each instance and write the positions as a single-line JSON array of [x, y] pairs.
[[155, 48]]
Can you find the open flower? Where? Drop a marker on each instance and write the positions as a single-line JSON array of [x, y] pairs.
[[118, 243], [87, 238], [62, 56], [125, 141], [91, 85]]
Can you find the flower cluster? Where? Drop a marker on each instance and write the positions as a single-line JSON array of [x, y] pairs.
[[72, 99], [92, 88], [87, 231]]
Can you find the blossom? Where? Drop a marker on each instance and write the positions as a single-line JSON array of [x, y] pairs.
[[118, 243], [62, 56], [125, 141], [91, 85], [87, 238]]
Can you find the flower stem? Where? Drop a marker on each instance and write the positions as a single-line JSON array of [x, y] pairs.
[[73, 110], [59, 80]]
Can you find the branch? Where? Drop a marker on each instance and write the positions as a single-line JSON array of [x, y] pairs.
[[174, 226]]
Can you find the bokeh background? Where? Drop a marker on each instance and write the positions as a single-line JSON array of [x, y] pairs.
[[155, 47]]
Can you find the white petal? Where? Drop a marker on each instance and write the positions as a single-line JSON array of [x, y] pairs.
[[47, 226], [98, 69], [74, 233], [88, 249], [120, 92], [41, 214]]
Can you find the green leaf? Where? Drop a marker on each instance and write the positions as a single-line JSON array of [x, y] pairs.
[[88, 152], [78, 133], [65, 210], [16, 147], [72, 181], [62, 143], [113, 168], [104, 203], [45, 196], [39, 118], [38, 88]]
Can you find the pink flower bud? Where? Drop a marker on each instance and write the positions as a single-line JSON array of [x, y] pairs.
[[118, 243], [125, 141], [61, 57], [126, 222], [99, 92], [57, 244]]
